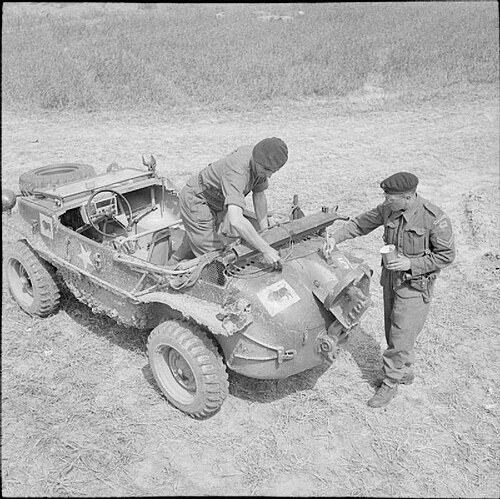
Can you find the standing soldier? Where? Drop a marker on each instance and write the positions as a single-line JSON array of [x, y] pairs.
[[423, 237]]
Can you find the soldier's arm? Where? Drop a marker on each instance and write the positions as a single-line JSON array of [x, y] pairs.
[[441, 250], [246, 230], [260, 206], [359, 226]]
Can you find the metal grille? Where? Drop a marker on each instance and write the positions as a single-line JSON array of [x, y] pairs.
[[214, 273], [249, 267]]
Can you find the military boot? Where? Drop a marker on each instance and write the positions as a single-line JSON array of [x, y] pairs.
[[384, 394], [407, 379]]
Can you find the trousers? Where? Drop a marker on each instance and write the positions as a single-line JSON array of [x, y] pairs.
[[206, 228], [406, 306]]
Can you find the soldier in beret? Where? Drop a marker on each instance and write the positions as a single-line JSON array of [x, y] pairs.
[[212, 202], [423, 237]]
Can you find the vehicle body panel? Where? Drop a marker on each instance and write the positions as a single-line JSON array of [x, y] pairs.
[[268, 324]]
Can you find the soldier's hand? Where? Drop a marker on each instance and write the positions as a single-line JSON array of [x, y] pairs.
[[272, 257], [329, 246], [271, 222], [400, 263]]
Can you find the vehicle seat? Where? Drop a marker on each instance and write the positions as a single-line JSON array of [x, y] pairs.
[[160, 247]]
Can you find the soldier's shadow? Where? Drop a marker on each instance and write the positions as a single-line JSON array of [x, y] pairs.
[[367, 354]]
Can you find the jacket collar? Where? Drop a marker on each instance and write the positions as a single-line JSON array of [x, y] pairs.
[[410, 214]]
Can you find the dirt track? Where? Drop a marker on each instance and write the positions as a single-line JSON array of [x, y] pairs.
[[311, 434]]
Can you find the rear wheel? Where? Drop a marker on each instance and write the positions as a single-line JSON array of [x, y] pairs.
[[31, 280], [188, 368], [54, 175]]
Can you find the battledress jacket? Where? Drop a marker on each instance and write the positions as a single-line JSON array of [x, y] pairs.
[[204, 199], [422, 233], [228, 180]]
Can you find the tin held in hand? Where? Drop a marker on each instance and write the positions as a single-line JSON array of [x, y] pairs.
[[389, 254]]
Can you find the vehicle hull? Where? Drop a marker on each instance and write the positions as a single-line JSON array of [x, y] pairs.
[[269, 324]]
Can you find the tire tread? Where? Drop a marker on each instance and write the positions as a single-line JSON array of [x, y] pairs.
[[212, 369], [43, 275]]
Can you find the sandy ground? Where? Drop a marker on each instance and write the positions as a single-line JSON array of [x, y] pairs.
[[311, 434]]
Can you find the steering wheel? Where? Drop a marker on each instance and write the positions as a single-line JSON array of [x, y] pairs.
[[109, 212]]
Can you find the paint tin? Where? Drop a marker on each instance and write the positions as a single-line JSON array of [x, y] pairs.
[[389, 254]]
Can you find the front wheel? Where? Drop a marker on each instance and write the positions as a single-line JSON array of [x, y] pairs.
[[31, 281], [188, 368]]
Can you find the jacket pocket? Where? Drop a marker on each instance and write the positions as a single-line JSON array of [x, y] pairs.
[[390, 233], [201, 211], [414, 241], [214, 198]]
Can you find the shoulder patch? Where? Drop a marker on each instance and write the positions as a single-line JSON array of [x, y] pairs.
[[442, 221]]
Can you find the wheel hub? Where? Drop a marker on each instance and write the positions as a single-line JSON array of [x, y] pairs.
[[21, 281], [25, 284], [181, 371]]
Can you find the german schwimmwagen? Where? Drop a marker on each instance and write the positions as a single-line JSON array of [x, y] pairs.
[[109, 237]]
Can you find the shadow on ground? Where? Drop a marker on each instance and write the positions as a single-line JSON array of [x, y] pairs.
[[268, 390], [361, 346], [367, 354], [133, 339], [101, 325]]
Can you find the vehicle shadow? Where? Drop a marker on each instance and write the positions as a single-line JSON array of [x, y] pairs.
[[128, 338], [363, 348], [101, 325], [269, 390], [258, 390]]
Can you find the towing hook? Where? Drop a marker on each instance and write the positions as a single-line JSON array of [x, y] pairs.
[[328, 347]]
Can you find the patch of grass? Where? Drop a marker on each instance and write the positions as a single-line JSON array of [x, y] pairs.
[[81, 414], [182, 55]]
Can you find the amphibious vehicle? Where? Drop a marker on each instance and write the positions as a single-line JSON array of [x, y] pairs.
[[110, 237]]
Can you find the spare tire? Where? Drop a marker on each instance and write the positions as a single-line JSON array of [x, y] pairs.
[[54, 175]]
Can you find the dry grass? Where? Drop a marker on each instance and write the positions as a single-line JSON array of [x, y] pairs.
[[91, 57], [81, 415]]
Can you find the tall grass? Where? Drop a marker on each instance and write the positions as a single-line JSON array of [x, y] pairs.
[[182, 55]]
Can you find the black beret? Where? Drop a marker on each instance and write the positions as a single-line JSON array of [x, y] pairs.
[[271, 154], [399, 183]]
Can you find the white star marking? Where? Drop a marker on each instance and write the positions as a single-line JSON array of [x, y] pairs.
[[85, 256]]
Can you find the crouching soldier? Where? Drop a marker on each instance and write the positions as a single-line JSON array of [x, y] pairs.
[[212, 202], [423, 237]]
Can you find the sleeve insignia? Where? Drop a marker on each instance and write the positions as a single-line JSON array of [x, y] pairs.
[[447, 243]]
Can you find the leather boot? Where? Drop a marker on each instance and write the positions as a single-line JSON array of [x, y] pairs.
[[407, 379], [384, 394]]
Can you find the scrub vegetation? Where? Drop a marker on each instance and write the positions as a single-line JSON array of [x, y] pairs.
[[163, 56], [357, 92]]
